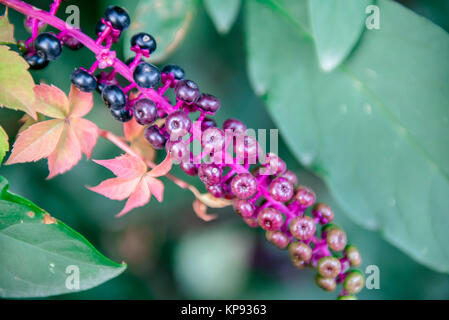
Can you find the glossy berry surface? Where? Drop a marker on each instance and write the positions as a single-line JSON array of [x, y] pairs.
[[291, 177], [210, 174], [177, 124], [305, 196], [122, 115], [114, 97], [48, 44], [83, 80], [277, 238], [354, 282], [329, 267], [244, 185], [281, 189], [36, 60], [144, 41], [234, 125], [71, 42], [189, 168], [244, 208], [302, 228], [178, 150], [218, 190], [301, 251], [155, 137], [328, 284], [270, 219], [99, 28], [353, 254], [146, 75], [144, 111], [208, 103], [323, 212], [336, 239], [177, 71], [187, 91], [213, 139], [208, 123], [118, 17]]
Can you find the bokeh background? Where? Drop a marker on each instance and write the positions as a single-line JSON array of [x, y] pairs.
[[172, 254]]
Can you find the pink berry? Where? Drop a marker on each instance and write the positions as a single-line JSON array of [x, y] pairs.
[[278, 238], [305, 196], [303, 228], [270, 219], [281, 189], [323, 212], [291, 177], [244, 185], [300, 250], [329, 267], [244, 208], [336, 239], [210, 174]]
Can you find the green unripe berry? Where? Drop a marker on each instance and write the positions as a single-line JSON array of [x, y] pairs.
[[354, 282], [353, 255], [329, 267], [328, 284]]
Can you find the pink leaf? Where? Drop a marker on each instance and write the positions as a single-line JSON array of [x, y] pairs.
[[162, 168], [201, 211], [87, 133], [37, 142], [132, 129], [156, 187], [116, 188], [138, 198], [80, 102], [51, 101], [124, 166]]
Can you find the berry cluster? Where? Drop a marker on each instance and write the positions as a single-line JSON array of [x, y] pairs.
[[266, 196]]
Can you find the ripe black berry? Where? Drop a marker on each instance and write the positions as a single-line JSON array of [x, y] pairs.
[[114, 97], [177, 124], [177, 71], [118, 17], [99, 28], [210, 174], [36, 60], [187, 91], [144, 41], [122, 115], [155, 137], [208, 103], [146, 75], [83, 80], [48, 44], [145, 111]]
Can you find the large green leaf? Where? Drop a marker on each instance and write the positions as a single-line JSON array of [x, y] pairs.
[[40, 256], [223, 13], [16, 83], [336, 25], [168, 21], [6, 29], [376, 128], [4, 145]]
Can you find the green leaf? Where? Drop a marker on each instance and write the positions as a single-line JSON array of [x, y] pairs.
[[376, 128], [336, 25], [168, 21], [6, 29], [4, 145], [16, 83], [223, 13], [41, 256]]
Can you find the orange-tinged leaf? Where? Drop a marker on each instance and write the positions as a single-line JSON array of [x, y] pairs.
[[66, 154], [143, 147], [51, 101], [156, 187], [162, 168], [132, 129], [201, 211], [138, 198], [36, 142], [80, 102], [6, 29], [116, 188], [87, 133], [125, 166]]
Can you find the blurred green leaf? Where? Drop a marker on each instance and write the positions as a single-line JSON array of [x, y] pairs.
[[38, 253], [168, 21], [213, 263], [223, 13], [4, 145], [336, 25], [378, 125]]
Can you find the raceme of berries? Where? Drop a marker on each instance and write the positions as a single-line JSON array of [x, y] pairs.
[[266, 196]]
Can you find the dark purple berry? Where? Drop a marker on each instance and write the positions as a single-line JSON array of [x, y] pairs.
[[353, 254], [144, 41], [145, 111], [189, 168], [213, 139], [99, 28], [208, 123], [103, 81], [48, 44], [280, 189], [291, 177], [354, 282], [187, 91], [328, 284], [177, 71], [208, 103], [146, 75], [278, 238], [329, 267], [83, 80], [114, 97], [210, 174], [36, 60], [234, 125], [122, 115], [336, 239], [155, 137], [323, 212], [305, 196], [270, 219], [118, 17], [302, 228], [244, 185], [71, 42], [244, 208], [177, 124], [218, 190], [301, 251]]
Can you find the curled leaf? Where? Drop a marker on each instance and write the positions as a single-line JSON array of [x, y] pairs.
[[201, 211]]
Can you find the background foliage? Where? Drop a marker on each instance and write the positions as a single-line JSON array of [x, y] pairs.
[[169, 252]]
